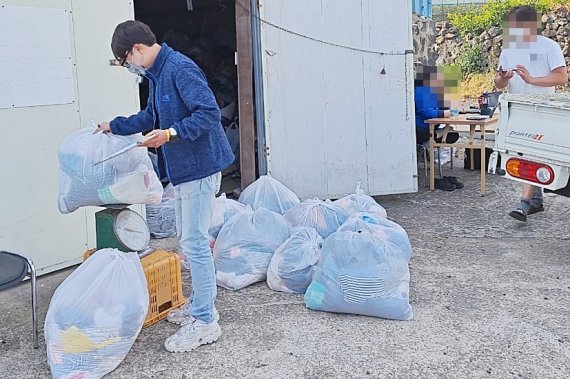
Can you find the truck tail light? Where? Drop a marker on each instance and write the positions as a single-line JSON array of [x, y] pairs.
[[531, 171]]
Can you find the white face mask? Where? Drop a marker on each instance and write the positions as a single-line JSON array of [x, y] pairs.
[[137, 70], [517, 32]]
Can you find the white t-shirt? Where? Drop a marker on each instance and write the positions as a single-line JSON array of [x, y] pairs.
[[540, 58]]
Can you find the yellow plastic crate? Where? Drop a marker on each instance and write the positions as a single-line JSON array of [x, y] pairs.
[[164, 281]]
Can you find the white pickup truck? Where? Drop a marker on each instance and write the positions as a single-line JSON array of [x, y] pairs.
[[532, 138]]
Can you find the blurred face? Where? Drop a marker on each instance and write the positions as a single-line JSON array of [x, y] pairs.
[[443, 80], [520, 33]]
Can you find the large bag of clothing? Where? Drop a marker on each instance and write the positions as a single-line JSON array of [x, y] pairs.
[[393, 233], [127, 179], [292, 265], [359, 273], [224, 209], [269, 193], [324, 216], [161, 218], [95, 315], [359, 201], [245, 245]]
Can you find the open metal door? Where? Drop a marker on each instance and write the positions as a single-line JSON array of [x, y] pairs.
[[338, 96], [77, 33]]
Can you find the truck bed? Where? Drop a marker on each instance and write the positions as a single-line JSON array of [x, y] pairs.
[[536, 128]]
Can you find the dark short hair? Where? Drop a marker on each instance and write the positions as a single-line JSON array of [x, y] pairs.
[[523, 13], [129, 33]]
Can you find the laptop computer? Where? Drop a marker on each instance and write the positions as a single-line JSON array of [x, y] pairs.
[[483, 117]]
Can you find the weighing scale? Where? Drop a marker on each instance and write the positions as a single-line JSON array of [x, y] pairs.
[[121, 228]]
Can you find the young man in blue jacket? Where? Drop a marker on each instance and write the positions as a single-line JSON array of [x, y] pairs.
[[193, 150]]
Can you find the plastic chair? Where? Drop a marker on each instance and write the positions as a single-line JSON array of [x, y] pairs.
[[14, 269]]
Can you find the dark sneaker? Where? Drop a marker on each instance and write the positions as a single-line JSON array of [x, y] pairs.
[[444, 185], [518, 214], [452, 137], [453, 180], [535, 208]]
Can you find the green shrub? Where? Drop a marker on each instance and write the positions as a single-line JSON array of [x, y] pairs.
[[474, 85], [491, 14], [470, 60]]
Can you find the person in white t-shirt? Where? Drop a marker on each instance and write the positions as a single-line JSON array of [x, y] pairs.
[[529, 63]]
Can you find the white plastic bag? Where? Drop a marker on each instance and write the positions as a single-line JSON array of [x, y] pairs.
[[359, 201], [161, 218], [393, 233], [224, 209], [269, 193], [127, 179], [95, 315], [245, 245], [292, 265], [359, 273], [324, 216]]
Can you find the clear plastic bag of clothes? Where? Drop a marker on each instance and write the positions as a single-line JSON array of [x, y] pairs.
[[127, 179], [393, 233], [161, 218], [292, 265], [95, 315], [359, 201], [359, 273], [224, 209], [269, 193], [245, 245], [324, 216]]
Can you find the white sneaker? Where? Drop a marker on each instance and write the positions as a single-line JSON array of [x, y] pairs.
[[182, 315], [193, 335]]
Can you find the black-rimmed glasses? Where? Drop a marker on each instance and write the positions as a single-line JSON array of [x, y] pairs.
[[124, 62]]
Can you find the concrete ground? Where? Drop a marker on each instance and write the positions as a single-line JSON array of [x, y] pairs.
[[491, 298]]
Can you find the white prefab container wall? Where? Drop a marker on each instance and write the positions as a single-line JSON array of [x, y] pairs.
[[55, 77], [337, 99], [338, 95]]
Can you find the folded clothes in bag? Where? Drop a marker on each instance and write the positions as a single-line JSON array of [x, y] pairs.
[[245, 245], [359, 201], [126, 179], [359, 273], [324, 216], [269, 193], [292, 265], [390, 231], [95, 315]]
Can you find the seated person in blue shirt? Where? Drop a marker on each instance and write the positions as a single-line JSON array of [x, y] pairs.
[[431, 93]]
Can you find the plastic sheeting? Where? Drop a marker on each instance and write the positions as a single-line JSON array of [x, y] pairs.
[[269, 193], [359, 201], [359, 273], [95, 315], [324, 216], [126, 179], [245, 245], [292, 265]]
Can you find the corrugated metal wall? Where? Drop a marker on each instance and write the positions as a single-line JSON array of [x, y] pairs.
[[422, 7]]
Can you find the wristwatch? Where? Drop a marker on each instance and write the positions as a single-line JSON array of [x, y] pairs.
[[173, 133]]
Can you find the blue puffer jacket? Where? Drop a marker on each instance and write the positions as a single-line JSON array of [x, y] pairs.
[[180, 98]]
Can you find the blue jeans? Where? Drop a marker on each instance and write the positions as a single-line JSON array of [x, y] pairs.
[[194, 209]]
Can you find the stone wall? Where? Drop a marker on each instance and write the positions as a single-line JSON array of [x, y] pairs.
[[423, 32], [448, 42]]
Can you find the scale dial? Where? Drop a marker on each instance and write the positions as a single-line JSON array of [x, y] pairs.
[[131, 230]]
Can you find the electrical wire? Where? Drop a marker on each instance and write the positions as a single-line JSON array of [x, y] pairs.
[[297, 34]]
